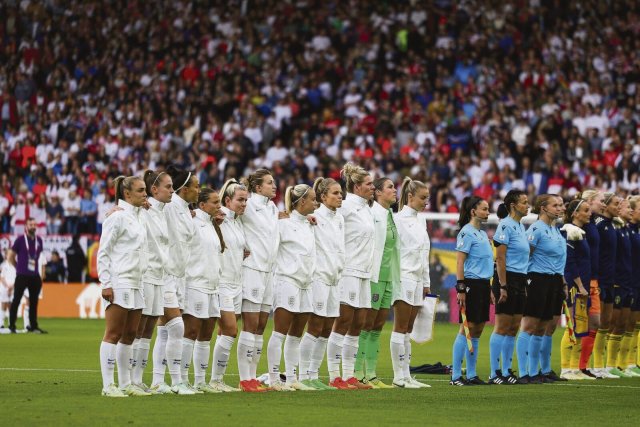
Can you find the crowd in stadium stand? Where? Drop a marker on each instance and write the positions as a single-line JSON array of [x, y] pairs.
[[470, 96]]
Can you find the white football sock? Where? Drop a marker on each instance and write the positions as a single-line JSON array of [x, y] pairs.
[[107, 363], [407, 356], [334, 354], [274, 355], [187, 354], [134, 360], [143, 359], [349, 353], [123, 360], [397, 355], [159, 355], [221, 352], [175, 331], [307, 345], [257, 354], [291, 357], [317, 355], [201, 352], [246, 345]]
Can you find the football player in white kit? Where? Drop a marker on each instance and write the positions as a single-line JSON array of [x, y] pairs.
[[121, 263], [159, 190], [355, 287], [415, 283], [292, 302], [233, 197], [260, 223], [330, 259], [202, 304], [181, 230]]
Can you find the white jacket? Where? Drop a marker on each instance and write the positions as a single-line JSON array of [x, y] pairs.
[[157, 241], [358, 236], [295, 262], [203, 272], [330, 256], [233, 255], [414, 246], [260, 223], [181, 231], [121, 256], [380, 215]]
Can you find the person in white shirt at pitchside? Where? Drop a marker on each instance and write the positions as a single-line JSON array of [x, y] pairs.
[[201, 300], [330, 259], [260, 223], [415, 283], [159, 190], [181, 231], [355, 290], [292, 302], [233, 197], [121, 265]]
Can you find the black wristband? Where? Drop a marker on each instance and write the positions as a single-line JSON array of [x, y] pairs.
[[461, 288]]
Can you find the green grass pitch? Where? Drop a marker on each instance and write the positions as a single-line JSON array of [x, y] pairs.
[[55, 380]]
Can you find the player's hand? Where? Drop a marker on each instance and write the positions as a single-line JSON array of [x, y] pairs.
[[493, 298], [565, 288], [247, 252], [283, 215], [461, 299], [146, 205], [193, 213], [113, 210], [107, 294], [582, 291], [220, 216], [426, 291], [312, 219], [503, 296]]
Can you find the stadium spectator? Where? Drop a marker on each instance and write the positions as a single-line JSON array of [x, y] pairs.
[[218, 86], [88, 213], [76, 261], [54, 270]]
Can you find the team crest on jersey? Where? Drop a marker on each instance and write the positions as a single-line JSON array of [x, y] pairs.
[[352, 296], [292, 300], [375, 297], [198, 307]]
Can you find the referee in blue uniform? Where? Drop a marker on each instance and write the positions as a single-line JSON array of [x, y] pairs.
[[474, 271], [509, 281], [544, 281]]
